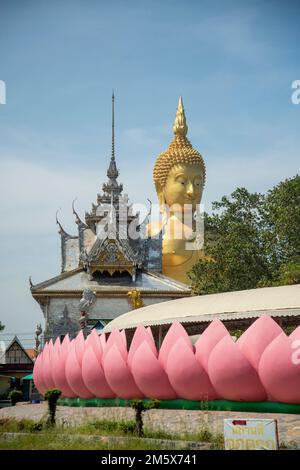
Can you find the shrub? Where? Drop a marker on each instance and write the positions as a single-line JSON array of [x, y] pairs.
[[140, 406], [127, 427], [105, 425], [205, 435], [52, 397], [15, 396], [35, 427]]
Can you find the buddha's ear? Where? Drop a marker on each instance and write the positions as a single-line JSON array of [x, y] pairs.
[[161, 199]]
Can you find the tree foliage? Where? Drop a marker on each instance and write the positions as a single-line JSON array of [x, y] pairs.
[[15, 396], [1, 326], [282, 217], [139, 407], [251, 240], [52, 395]]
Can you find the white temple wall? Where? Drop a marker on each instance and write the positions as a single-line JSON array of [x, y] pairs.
[[71, 254], [63, 313]]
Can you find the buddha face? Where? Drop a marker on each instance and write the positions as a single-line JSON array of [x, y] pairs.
[[184, 185]]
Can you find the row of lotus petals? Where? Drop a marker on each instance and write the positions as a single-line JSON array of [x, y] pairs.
[[257, 367]]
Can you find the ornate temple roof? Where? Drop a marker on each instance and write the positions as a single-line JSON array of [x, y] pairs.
[[73, 282], [103, 243]]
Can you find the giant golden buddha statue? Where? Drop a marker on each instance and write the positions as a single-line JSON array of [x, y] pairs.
[[179, 176]]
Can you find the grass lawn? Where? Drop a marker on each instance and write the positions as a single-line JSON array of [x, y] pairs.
[[97, 435]]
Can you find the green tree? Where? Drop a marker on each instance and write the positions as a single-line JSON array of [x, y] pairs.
[[15, 396], [52, 395], [235, 257], [282, 223], [140, 407], [287, 274], [1, 326], [251, 240]]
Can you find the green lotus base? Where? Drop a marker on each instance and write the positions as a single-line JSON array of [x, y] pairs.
[[217, 405]]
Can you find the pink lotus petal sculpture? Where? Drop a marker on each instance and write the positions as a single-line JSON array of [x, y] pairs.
[[149, 374], [79, 344], [102, 340], [38, 376], [65, 345], [187, 376], [150, 332], [89, 339], [123, 336], [93, 374], [59, 369], [118, 374], [41, 367], [232, 375], [296, 333], [257, 337], [279, 369], [116, 338], [55, 351], [208, 340], [141, 334], [263, 363], [94, 341], [74, 375], [175, 332], [47, 372]]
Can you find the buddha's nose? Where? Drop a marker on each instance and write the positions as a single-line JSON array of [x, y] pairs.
[[190, 191]]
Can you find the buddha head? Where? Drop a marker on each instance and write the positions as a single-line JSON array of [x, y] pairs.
[[179, 172]]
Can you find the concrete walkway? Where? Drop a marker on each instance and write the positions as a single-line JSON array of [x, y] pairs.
[[174, 421]]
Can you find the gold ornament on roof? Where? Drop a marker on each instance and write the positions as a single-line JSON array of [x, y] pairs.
[[134, 298]]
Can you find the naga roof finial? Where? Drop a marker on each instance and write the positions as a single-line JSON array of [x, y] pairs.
[[78, 219], [61, 229]]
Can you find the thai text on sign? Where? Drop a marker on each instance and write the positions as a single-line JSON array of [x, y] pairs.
[[250, 434]]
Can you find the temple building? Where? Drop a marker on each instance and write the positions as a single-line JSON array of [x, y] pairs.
[[105, 259]]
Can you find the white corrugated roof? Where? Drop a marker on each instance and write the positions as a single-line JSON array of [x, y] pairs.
[[278, 301]]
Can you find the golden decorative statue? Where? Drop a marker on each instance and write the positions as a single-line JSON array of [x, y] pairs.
[[179, 176], [134, 299]]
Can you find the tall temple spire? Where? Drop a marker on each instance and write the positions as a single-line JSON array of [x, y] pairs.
[[180, 127], [113, 127], [112, 185]]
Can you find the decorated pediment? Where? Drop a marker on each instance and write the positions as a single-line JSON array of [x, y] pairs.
[[111, 256]]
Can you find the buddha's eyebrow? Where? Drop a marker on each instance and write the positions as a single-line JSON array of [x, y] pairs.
[[180, 174]]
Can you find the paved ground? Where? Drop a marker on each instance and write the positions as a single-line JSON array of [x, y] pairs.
[[175, 421]]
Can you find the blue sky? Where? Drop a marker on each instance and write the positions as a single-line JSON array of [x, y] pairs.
[[232, 61]]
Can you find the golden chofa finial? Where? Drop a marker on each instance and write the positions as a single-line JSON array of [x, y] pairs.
[[180, 127]]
